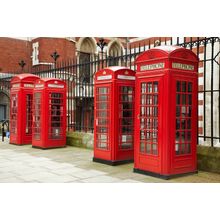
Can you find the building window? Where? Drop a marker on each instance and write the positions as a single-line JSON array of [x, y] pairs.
[[35, 53]]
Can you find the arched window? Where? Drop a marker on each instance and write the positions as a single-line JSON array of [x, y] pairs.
[[114, 54], [86, 51]]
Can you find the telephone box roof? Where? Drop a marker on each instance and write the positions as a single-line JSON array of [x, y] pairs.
[[24, 77], [167, 52]]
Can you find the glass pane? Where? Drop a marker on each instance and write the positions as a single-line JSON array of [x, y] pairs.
[[177, 136], [148, 148], [188, 136], [102, 137], [102, 105], [103, 90], [177, 147], [102, 130], [155, 86], [189, 111], [155, 111], [143, 88], [183, 110], [148, 124], [102, 98], [142, 136], [190, 99], [127, 105], [149, 99], [178, 99], [183, 123], [178, 88], [183, 99], [142, 146], [143, 99], [183, 86], [188, 148], [177, 111], [155, 99], [149, 87], [155, 124], [189, 124], [189, 87], [155, 149], [177, 124]]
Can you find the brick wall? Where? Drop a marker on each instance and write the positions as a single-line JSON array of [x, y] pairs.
[[12, 51], [64, 47]]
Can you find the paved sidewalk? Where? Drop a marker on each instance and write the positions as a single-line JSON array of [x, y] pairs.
[[21, 164]]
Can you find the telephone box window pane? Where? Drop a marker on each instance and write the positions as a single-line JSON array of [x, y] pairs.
[[155, 102], [142, 148], [143, 100], [177, 136], [188, 148], [189, 87], [143, 88], [154, 149], [178, 99], [189, 124], [183, 86], [183, 124], [188, 136], [183, 99], [155, 85], [177, 111], [149, 99], [103, 98], [149, 87], [190, 99], [178, 87], [177, 124], [103, 90], [148, 148]]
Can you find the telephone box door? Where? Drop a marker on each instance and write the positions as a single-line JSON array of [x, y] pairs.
[[125, 125], [148, 132], [185, 101], [103, 122]]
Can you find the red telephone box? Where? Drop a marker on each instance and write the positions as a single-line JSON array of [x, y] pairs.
[[114, 115], [21, 96], [166, 112], [49, 113]]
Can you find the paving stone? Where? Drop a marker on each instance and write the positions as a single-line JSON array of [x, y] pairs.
[[130, 181], [101, 179], [88, 174], [12, 180], [69, 171], [58, 179], [5, 175]]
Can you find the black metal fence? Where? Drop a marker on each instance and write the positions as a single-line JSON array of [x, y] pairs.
[[79, 74]]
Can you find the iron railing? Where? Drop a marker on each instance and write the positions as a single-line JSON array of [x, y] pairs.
[[79, 78]]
